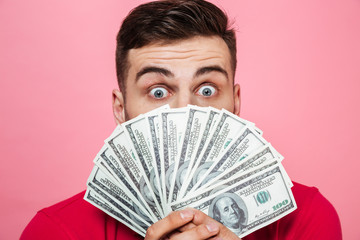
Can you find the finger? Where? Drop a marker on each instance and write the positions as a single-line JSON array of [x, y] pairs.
[[201, 218], [172, 235], [224, 233], [168, 224], [187, 227], [203, 231]]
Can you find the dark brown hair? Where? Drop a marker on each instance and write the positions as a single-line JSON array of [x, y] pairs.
[[167, 21]]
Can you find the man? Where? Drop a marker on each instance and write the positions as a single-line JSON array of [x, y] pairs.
[[178, 52], [228, 212]]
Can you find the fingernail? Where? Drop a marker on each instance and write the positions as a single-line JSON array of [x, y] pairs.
[[212, 227], [186, 214]]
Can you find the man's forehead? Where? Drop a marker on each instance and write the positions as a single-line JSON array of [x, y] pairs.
[[185, 42], [200, 49]]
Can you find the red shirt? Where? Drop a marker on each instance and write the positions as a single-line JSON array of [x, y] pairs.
[[75, 218]]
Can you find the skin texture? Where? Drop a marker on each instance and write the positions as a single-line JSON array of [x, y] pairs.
[[195, 71]]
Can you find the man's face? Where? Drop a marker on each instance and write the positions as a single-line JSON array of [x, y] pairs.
[[229, 212], [196, 71]]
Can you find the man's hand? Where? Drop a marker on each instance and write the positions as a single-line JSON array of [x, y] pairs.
[[188, 224]]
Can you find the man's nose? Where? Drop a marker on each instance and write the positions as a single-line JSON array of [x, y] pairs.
[[182, 99]]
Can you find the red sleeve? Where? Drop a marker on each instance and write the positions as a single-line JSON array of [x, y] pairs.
[[43, 227]]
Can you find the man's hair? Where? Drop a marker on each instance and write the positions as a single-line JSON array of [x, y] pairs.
[[168, 21]]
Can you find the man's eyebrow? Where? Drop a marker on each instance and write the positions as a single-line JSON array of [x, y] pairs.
[[207, 69], [160, 70]]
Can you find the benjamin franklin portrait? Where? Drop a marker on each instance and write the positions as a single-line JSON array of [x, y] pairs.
[[230, 210]]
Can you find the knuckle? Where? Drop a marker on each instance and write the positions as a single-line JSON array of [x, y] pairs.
[[150, 232], [202, 231], [200, 217], [172, 218], [175, 218]]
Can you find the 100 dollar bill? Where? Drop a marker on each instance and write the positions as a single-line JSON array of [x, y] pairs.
[[172, 131], [247, 205]]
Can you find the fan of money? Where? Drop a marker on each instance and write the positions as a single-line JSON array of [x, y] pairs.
[[200, 157]]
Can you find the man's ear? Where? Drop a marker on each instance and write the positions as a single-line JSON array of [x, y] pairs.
[[118, 106], [237, 99]]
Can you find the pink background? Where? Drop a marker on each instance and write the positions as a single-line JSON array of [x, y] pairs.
[[298, 68]]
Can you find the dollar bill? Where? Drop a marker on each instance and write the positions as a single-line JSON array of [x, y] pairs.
[[153, 122], [172, 130], [92, 197], [250, 204]]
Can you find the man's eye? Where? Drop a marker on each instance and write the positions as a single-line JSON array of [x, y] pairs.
[[159, 92], [207, 91]]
